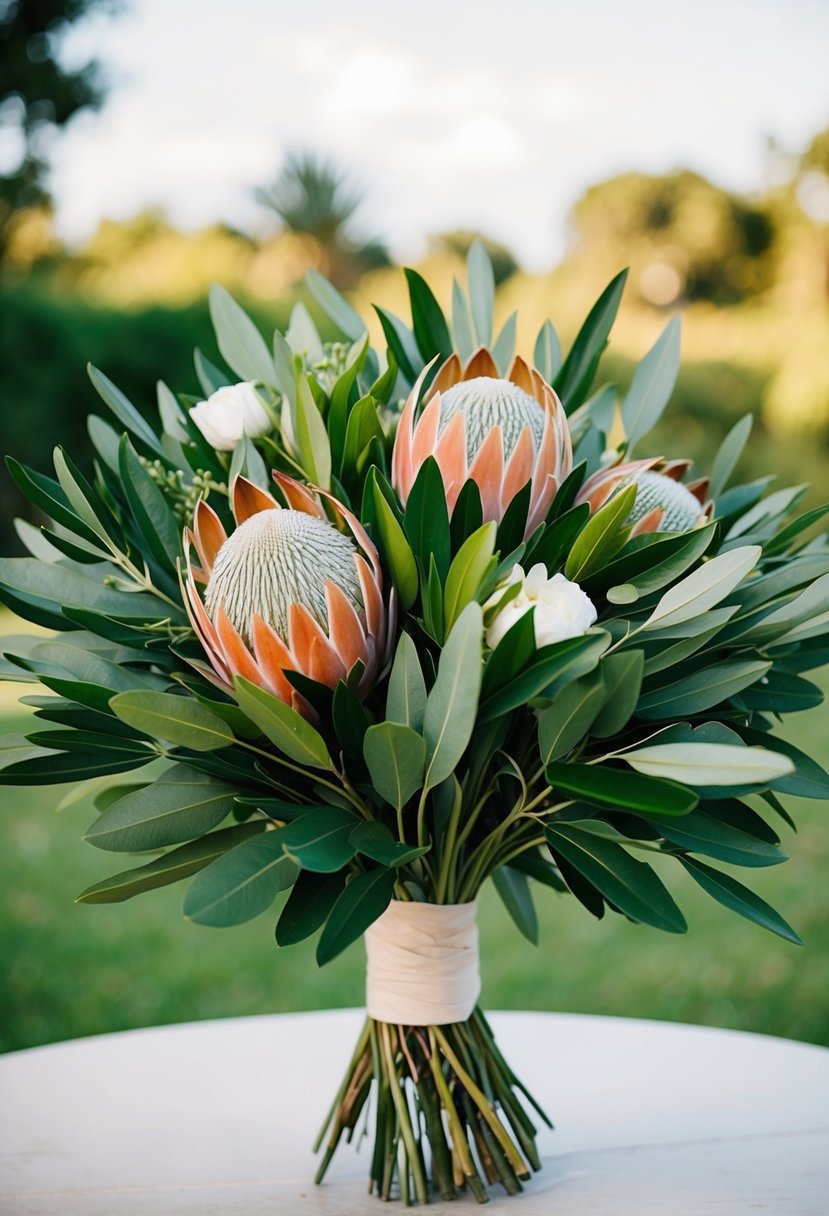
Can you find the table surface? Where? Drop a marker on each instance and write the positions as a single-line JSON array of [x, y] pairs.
[[217, 1119]]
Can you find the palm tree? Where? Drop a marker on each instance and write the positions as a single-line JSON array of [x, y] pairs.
[[313, 197]]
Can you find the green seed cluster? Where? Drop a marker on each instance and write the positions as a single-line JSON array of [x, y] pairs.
[[182, 496], [331, 366]]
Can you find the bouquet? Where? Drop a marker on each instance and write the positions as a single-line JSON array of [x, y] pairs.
[[391, 623]]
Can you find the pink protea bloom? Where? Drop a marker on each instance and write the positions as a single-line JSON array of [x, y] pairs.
[[286, 591], [663, 503], [500, 432]]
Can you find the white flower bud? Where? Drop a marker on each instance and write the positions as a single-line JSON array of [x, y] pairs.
[[230, 413], [562, 610]]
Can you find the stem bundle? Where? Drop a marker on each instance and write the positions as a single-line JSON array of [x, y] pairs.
[[447, 1115]]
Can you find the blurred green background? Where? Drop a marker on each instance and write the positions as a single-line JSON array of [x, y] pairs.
[[751, 277]]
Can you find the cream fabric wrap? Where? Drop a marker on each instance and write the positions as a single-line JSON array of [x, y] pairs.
[[423, 964]]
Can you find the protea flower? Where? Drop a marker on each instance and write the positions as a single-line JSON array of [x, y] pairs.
[[286, 591], [499, 432], [663, 502]]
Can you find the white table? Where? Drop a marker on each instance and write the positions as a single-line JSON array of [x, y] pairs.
[[216, 1119]]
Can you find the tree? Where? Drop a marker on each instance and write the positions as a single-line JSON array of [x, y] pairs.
[[38, 94], [313, 197], [461, 240], [683, 236]]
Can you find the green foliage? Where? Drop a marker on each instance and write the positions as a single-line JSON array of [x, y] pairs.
[[642, 734], [312, 196]]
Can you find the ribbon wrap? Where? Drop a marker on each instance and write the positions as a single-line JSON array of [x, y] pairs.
[[422, 964]]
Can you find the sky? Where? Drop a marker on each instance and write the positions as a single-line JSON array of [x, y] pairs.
[[448, 113]]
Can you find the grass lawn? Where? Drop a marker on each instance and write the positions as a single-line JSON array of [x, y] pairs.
[[71, 970]]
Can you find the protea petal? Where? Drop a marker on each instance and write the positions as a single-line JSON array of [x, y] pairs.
[[675, 469], [236, 654], [247, 500], [448, 376], [487, 471], [481, 364], [205, 631], [273, 658], [425, 434], [519, 468], [372, 601], [598, 488], [358, 532], [699, 489], [520, 374], [403, 467], [649, 522], [319, 659], [208, 534], [297, 496], [344, 628], [450, 455]]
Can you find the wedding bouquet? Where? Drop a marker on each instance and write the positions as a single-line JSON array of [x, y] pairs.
[[388, 624]]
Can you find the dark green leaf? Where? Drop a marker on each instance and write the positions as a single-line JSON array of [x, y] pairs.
[[155, 520], [364, 899], [553, 668], [308, 906], [286, 729], [427, 519], [630, 885], [172, 867], [395, 755], [589, 344], [179, 720], [703, 832], [350, 720], [125, 411], [430, 329], [623, 681], [733, 895], [607, 786], [374, 840], [558, 538], [809, 780], [241, 883], [702, 690], [568, 719], [180, 805], [514, 889], [318, 840]]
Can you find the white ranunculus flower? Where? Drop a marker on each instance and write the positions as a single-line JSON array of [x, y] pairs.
[[562, 610], [230, 413]]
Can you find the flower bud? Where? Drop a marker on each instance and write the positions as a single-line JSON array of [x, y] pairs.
[[562, 610], [278, 558], [503, 433], [681, 511], [286, 591], [229, 413]]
